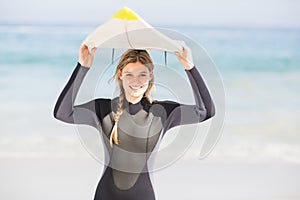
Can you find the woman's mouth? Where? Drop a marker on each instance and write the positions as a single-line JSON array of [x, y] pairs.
[[135, 88]]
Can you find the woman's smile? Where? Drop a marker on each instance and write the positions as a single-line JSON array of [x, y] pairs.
[[135, 88]]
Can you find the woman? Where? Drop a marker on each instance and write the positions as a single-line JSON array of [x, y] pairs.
[[132, 123]]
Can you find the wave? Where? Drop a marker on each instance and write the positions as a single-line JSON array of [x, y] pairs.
[[257, 152], [12, 147], [45, 29], [245, 151]]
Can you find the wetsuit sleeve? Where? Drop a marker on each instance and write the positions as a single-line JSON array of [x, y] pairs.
[[180, 114], [66, 111]]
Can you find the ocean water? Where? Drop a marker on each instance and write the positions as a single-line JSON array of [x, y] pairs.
[[260, 69]]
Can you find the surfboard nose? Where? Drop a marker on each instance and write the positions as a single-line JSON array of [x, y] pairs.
[[125, 14]]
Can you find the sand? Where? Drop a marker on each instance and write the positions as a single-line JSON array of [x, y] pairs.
[[76, 178]]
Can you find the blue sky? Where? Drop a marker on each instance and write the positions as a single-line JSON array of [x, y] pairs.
[[191, 12]]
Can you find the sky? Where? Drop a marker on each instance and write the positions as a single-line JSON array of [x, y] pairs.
[[267, 13]]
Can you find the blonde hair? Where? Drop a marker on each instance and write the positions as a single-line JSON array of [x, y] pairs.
[[129, 56]]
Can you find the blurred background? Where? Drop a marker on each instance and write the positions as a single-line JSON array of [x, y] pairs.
[[255, 46]]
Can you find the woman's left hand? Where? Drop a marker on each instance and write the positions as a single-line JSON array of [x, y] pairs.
[[183, 59]]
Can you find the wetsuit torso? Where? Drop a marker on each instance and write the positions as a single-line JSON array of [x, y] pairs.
[[140, 128]]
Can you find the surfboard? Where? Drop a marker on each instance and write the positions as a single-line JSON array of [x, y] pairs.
[[127, 30]]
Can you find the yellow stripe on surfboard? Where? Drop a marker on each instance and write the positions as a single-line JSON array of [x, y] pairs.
[[125, 14]]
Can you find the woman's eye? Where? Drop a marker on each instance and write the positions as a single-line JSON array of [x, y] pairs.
[[128, 74]]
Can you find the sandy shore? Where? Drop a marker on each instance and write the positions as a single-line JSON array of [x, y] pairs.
[[77, 178]]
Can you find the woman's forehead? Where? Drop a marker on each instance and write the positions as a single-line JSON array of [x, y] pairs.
[[135, 67]]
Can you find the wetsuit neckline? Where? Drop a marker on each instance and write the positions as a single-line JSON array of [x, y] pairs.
[[132, 108]]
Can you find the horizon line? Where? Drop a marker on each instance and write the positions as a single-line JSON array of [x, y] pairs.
[[158, 25]]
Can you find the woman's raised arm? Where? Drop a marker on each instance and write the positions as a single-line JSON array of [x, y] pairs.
[[181, 114], [65, 110]]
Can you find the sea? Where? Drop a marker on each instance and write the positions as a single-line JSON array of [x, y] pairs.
[[259, 68]]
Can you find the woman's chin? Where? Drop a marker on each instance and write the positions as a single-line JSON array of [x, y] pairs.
[[136, 95]]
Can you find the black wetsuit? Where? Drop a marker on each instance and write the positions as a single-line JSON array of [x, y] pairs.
[[140, 127]]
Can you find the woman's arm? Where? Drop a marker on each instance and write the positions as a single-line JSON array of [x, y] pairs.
[[200, 90], [65, 110], [180, 114], [201, 93]]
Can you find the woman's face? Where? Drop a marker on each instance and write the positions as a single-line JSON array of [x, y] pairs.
[[135, 79]]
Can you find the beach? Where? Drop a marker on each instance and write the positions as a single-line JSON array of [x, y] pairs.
[[77, 178], [257, 156]]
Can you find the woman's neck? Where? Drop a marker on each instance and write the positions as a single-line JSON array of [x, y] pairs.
[[133, 99]]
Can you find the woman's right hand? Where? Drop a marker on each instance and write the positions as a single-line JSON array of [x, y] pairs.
[[85, 56]]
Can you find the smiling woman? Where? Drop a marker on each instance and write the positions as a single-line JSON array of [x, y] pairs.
[[132, 123], [135, 78], [135, 74]]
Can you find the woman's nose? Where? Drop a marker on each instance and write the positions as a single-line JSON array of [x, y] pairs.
[[136, 79]]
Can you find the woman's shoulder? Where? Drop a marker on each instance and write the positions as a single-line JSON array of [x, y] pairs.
[[167, 105], [107, 103], [103, 107], [103, 103], [103, 100], [165, 102]]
